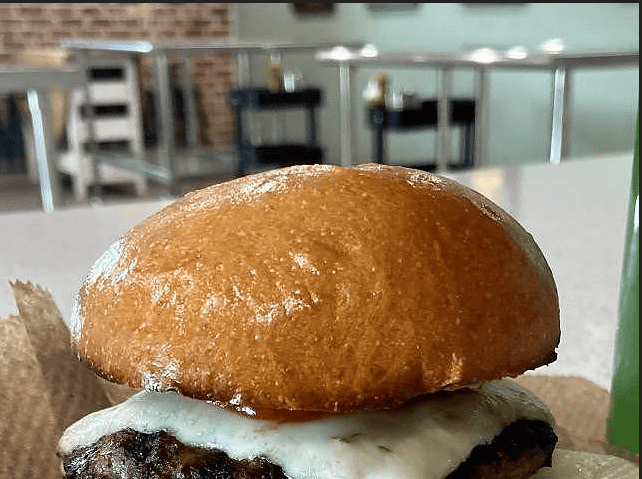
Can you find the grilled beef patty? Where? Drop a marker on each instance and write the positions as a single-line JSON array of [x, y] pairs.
[[517, 452]]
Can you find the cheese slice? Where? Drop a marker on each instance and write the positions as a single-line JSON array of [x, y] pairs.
[[423, 440]]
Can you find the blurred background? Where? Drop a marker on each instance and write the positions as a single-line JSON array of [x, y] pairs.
[[603, 102], [110, 110]]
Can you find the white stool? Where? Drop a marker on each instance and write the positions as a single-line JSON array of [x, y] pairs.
[[117, 121]]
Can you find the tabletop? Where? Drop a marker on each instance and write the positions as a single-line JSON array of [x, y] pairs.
[[481, 57], [576, 211], [26, 77], [197, 46]]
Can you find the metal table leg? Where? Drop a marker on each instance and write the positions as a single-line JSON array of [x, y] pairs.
[[244, 83], [312, 127], [379, 146], [345, 111], [38, 103], [191, 119], [481, 102], [561, 117], [243, 62], [165, 120]]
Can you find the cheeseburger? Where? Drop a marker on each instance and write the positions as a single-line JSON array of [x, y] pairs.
[[319, 322]]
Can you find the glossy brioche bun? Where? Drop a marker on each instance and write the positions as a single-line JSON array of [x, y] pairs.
[[320, 288]]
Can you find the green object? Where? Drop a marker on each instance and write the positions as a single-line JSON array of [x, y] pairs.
[[623, 427]]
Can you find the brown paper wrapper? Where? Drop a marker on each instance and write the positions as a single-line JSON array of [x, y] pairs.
[[28, 425], [74, 390], [44, 389]]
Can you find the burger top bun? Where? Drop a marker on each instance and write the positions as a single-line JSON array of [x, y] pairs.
[[320, 288]]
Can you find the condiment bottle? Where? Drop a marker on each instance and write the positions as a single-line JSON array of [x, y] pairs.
[[275, 75]]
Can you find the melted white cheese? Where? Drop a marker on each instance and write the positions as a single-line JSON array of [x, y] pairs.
[[424, 440]]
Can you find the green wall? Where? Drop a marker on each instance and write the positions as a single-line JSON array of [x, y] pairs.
[[604, 102]]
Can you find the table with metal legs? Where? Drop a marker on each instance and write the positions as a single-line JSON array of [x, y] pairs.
[[562, 65], [482, 60], [38, 82], [167, 169]]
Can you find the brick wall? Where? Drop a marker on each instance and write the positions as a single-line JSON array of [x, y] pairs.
[[45, 25]]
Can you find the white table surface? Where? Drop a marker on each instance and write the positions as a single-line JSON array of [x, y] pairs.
[[576, 211]]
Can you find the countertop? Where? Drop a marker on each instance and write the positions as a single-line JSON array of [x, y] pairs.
[[576, 211]]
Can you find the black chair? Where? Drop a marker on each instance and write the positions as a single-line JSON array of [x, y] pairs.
[[282, 154], [421, 117]]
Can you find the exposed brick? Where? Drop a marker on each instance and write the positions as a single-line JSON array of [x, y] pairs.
[[90, 12], [132, 23], [165, 13], [45, 25], [101, 23], [31, 12], [6, 11], [40, 25], [71, 23], [65, 13]]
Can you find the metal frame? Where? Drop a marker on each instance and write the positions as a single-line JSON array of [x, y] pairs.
[[168, 171], [482, 61], [38, 82]]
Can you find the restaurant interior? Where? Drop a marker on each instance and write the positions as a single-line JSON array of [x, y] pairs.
[[512, 97], [109, 111]]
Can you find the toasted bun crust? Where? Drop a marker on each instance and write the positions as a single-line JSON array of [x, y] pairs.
[[320, 288]]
